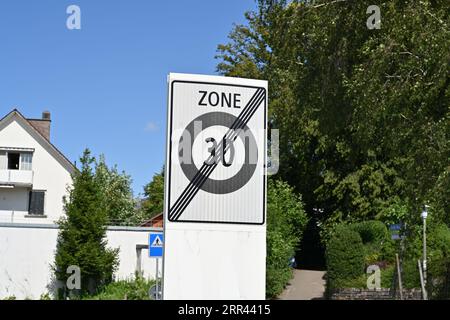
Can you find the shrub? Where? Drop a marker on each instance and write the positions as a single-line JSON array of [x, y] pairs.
[[387, 276], [45, 296], [137, 289], [286, 221], [278, 272], [376, 239], [371, 232], [388, 250], [344, 256], [438, 257], [410, 274], [439, 262]]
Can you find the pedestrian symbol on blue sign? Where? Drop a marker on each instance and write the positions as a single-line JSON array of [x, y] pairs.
[[155, 245]]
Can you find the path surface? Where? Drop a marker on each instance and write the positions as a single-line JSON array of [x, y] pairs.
[[305, 285]]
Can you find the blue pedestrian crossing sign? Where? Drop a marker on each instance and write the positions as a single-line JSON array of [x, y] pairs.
[[155, 245]]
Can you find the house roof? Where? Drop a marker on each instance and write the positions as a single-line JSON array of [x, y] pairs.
[[43, 139], [148, 222]]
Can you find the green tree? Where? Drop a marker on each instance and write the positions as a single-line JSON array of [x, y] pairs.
[[154, 196], [81, 239], [363, 114], [117, 194]]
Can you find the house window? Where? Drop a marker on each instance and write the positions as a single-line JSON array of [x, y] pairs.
[[25, 161], [13, 161], [36, 202]]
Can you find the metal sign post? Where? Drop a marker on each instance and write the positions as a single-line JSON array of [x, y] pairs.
[[215, 188], [422, 281], [157, 279], [399, 273], [424, 270]]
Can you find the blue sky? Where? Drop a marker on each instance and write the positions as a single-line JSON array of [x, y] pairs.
[[105, 85]]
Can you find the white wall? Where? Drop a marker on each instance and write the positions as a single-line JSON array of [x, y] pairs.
[[27, 251], [50, 172]]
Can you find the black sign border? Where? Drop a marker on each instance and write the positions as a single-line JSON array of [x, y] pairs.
[[168, 169]]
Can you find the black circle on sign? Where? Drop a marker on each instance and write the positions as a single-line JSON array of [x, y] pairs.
[[241, 178]]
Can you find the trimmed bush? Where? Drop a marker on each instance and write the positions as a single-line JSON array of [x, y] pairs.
[[371, 232], [377, 241], [344, 256]]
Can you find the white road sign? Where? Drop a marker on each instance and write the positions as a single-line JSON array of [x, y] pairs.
[[217, 152], [215, 188]]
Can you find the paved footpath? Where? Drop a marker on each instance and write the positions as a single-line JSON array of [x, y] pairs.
[[305, 285]]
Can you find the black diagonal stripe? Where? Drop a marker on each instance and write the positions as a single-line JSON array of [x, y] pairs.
[[198, 184], [194, 192], [243, 123], [206, 170], [201, 172], [205, 174]]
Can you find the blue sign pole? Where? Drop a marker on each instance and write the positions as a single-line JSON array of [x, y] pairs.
[[155, 250]]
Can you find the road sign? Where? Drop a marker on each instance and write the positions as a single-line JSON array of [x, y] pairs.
[[395, 231], [215, 188], [155, 245], [217, 152], [395, 227]]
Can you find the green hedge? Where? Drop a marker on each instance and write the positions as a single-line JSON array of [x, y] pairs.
[[377, 241], [286, 221], [371, 232], [278, 272], [344, 256]]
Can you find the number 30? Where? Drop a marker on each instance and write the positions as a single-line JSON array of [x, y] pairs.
[[212, 151]]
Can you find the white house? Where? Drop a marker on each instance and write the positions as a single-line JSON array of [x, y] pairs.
[[34, 174]]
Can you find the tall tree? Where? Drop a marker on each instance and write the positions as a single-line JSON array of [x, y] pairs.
[[82, 236], [154, 196], [363, 114], [116, 192]]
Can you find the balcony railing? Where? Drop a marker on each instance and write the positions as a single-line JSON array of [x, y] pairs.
[[16, 177]]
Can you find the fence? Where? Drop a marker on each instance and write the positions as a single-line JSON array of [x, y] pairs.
[[27, 252]]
